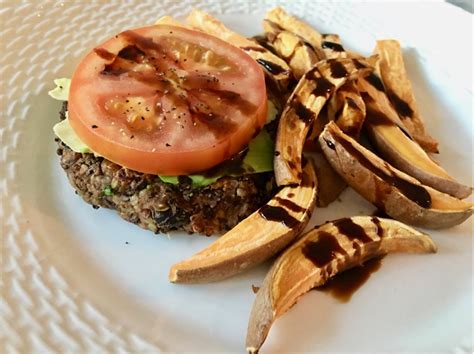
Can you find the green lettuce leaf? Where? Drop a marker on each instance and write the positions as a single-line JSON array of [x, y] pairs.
[[61, 91], [259, 157]]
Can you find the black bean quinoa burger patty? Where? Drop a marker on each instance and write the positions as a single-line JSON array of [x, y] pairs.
[[145, 200]]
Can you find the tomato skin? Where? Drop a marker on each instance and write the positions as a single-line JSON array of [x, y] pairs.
[[194, 148]]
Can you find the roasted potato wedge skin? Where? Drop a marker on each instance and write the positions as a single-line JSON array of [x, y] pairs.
[[330, 184], [418, 205], [255, 239], [274, 67], [303, 107], [401, 151], [400, 91], [320, 254], [332, 47]]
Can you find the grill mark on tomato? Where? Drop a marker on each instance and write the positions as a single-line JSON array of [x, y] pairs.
[[199, 81], [233, 99], [144, 43], [140, 48], [132, 53], [104, 54], [217, 124], [160, 83]]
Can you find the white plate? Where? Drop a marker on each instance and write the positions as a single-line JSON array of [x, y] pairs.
[[72, 284]]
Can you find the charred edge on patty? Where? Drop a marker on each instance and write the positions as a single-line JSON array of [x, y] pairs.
[[145, 200]]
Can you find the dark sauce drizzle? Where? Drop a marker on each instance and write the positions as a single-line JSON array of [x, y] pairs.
[[322, 251], [338, 70], [345, 284], [353, 231], [330, 144], [306, 115], [272, 68], [333, 46], [378, 224], [264, 43], [323, 87], [288, 204], [278, 214]]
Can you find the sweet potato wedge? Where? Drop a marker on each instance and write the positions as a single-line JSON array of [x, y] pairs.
[[399, 195], [330, 184], [303, 107], [407, 155], [400, 92], [319, 255]]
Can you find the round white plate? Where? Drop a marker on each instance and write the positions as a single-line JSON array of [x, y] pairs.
[[72, 283]]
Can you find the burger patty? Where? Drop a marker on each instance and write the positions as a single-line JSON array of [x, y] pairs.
[[145, 200]]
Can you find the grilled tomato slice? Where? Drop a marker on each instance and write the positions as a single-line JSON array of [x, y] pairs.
[[167, 100]]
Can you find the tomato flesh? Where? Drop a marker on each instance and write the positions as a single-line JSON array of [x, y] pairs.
[[167, 100]]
